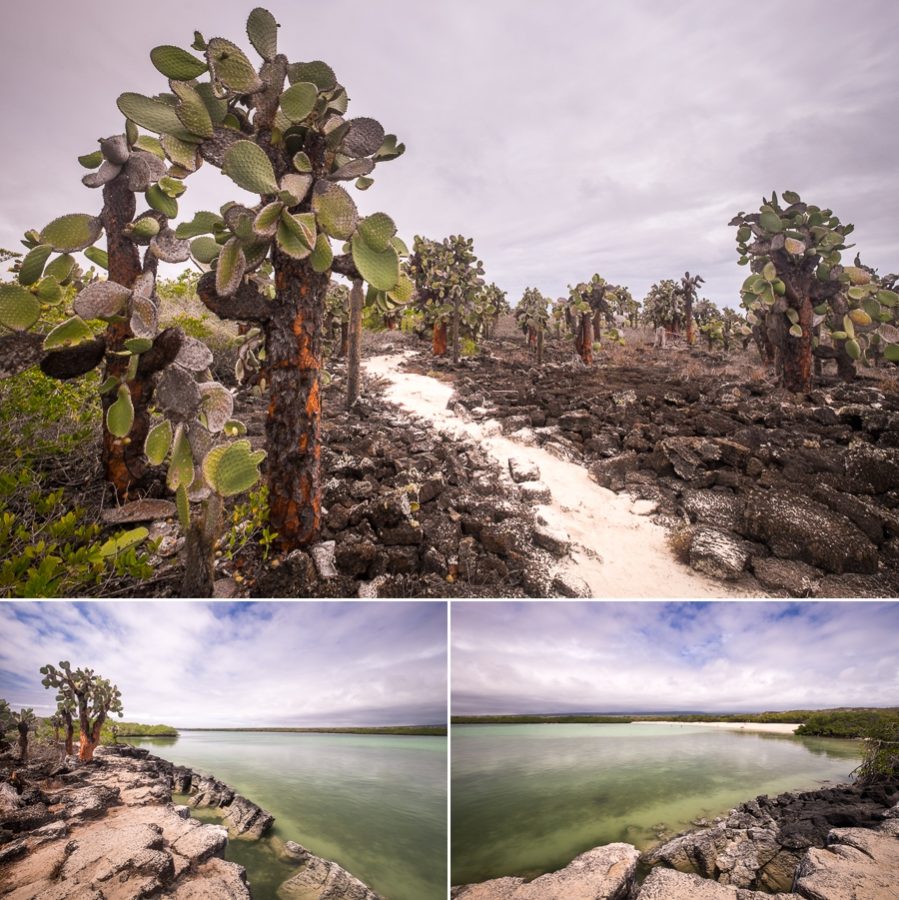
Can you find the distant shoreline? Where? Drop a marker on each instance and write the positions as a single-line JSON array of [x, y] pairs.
[[769, 727], [411, 730]]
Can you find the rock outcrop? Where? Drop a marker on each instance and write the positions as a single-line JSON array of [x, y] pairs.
[[603, 873], [669, 884], [323, 879]]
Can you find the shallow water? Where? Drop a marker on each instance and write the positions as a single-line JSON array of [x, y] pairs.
[[374, 803], [527, 799]]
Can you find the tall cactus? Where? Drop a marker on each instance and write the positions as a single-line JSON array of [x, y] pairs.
[[588, 305], [663, 306], [688, 289], [532, 314], [278, 132]]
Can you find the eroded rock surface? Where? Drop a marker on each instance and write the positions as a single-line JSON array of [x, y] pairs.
[[669, 884]]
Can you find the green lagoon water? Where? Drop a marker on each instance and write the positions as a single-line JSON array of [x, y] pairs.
[[527, 799], [376, 804]]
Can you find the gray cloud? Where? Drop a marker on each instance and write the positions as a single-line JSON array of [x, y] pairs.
[[241, 664], [566, 140], [627, 657]]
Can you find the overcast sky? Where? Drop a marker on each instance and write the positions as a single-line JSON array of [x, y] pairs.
[[238, 664], [658, 657], [590, 136]]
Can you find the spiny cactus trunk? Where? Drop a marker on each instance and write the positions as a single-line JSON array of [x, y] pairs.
[[439, 339], [123, 463], [199, 550], [532, 336], [22, 728], [293, 427], [344, 339], [456, 334], [690, 325], [354, 358], [70, 736], [796, 353], [540, 345], [584, 339]]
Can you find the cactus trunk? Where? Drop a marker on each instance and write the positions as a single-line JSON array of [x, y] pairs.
[[540, 345], [456, 333], [199, 550], [532, 336], [440, 339], [584, 339], [690, 325], [354, 358], [797, 353], [344, 339], [22, 728], [293, 427], [70, 734], [123, 463], [89, 738]]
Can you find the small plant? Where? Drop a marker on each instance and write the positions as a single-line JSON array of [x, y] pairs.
[[249, 525], [881, 760]]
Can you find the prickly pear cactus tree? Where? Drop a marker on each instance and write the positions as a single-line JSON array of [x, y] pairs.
[[689, 291], [95, 699], [25, 722], [663, 306], [280, 132], [625, 307], [588, 306], [448, 278], [490, 303], [798, 284], [532, 314]]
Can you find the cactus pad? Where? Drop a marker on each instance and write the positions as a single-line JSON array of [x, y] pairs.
[[177, 393], [98, 257], [229, 65], [181, 153], [72, 232], [191, 110], [170, 249], [299, 100], [377, 230], [101, 300], [144, 319], [144, 228], [248, 166], [317, 72], [181, 467], [389, 149], [216, 405], [19, 309], [33, 264], [115, 149], [160, 201], [91, 160], [120, 416], [233, 468], [363, 184], [262, 30], [158, 442], [364, 137], [295, 187], [290, 242], [322, 256], [177, 64], [103, 175], [335, 210], [230, 268], [203, 222], [193, 355], [380, 269], [266, 222], [404, 289], [301, 162], [153, 115], [61, 268], [204, 249], [355, 168]]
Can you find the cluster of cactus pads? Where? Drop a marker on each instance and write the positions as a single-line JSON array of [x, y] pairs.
[[799, 290]]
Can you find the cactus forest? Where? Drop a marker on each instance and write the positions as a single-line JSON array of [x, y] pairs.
[[294, 393]]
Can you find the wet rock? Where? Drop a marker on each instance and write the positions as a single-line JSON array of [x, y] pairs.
[[603, 873], [322, 879], [523, 470], [244, 817], [795, 527], [796, 578], [719, 554], [535, 492]]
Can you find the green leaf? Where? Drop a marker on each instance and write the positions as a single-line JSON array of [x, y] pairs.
[[377, 230], [73, 232], [380, 269], [61, 267], [177, 64], [888, 298], [891, 353], [790, 197], [19, 309], [232, 469], [153, 115], [298, 101], [318, 72], [262, 30], [125, 540], [796, 331], [322, 256], [120, 416], [138, 345], [98, 257], [853, 349], [248, 166], [181, 466], [33, 264], [160, 201], [159, 439], [229, 64], [770, 221], [334, 210], [91, 160], [202, 223], [67, 334]]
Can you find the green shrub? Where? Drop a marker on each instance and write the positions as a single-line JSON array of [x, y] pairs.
[[881, 762]]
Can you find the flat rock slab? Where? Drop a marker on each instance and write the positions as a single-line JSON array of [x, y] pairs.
[[139, 511], [719, 554], [534, 492], [603, 873], [322, 879], [523, 470], [795, 577], [669, 884]]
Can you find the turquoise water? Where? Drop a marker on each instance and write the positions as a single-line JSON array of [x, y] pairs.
[[527, 799], [376, 804]]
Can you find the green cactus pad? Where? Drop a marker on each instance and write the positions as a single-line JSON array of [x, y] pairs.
[[322, 256], [355, 168], [98, 257], [377, 230], [61, 268], [101, 300], [177, 64], [172, 187], [363, 184], [204, 249], [91, 160], [289, 241], [33, 264], [217, 405], [248, 167], [181, 153], [159, 439], [149, 144], [399, 245], [68, 334], [47, 290], [144, 319], [380, 269], [389, 149], [181, 466], [302, 163], [153, 115], [145, 228], [364, 137], [339, 102], [888, 298], [160, 201], [404, 289], [335, 210], [317, 72], [72, 232], [203, 222], [192, 111], [215, 106], [229, 65], [293, 188], [233, 428], [136, 346], [233, 468], [299, 100], [230, 268], [120, 416], [266, 222], [262, 30], [19, 309], [853, 349], [302, 226], [193, 355]]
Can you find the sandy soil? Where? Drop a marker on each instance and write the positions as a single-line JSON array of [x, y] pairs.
[[769, 727], [617, 551]]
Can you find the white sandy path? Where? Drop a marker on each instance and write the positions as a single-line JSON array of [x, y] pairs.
[[769, 727], [617, 553]]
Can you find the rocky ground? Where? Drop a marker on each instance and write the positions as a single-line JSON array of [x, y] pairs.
[[108, 830], [838, 843]]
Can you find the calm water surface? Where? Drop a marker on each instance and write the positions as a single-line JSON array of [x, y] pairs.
[[527, 799], [374, 803]]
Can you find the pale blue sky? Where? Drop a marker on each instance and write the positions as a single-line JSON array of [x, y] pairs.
[[657, 657], [240, 664], [564, 138]]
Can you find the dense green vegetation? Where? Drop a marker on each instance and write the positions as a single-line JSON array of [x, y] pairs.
[[543, 720], [881, 762], [383, 729], [849, 723]]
